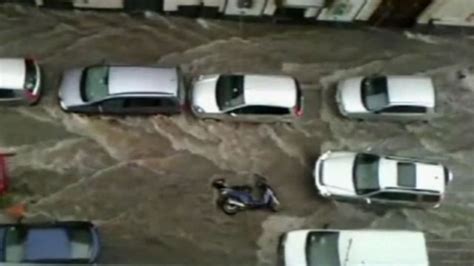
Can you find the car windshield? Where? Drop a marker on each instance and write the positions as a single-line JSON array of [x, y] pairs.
[[375, 93], [322, 249], [406, 174], [366, 173], [14, 245], [95, 84], [230, 91], [81, 243]]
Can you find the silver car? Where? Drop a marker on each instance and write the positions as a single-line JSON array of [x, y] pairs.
[[125, 90]]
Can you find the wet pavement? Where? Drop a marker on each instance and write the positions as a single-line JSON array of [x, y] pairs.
[[146, 181]]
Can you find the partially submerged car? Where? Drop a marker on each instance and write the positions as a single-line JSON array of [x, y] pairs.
[[248, 97], [122, 90], [50, 243], [353, 248], [20, 81], [381, 179], [387, 97]]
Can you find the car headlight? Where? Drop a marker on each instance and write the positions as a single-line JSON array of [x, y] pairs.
[[198, 109]]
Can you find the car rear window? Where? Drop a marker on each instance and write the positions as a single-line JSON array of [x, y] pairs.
[[31, 74], [406, 175]]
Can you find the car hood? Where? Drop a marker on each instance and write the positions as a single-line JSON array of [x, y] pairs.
[[69, 89], [337, 172], [204, 94], [349, 94]]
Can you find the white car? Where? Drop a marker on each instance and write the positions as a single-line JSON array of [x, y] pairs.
[[381, 179], [387, 97], [353, 248], [20, 81], [247, 97]]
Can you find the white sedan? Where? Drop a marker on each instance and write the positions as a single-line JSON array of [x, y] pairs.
[[388, 97], [247, 97], [381, 179]]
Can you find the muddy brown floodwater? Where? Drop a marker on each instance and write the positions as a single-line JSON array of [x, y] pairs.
[[146, 181]]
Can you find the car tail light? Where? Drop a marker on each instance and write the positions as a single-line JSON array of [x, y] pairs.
[[4, 179], [298, 111]]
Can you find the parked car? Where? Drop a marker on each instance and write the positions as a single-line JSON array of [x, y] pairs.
[[381, 179], [387, 97], [50, 243], [353, 248], [4, 178], [247, 97], [20, 81], [122, 90]]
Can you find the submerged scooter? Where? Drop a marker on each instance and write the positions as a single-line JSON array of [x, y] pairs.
[[233, 199]]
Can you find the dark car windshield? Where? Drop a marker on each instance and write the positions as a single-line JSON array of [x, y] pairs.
[[322, 249], [230, 91], [366, 173], [95, 83], [14, 249], [31, 77], [374, 93]]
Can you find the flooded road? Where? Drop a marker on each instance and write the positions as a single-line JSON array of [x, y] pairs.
[[146, 181]]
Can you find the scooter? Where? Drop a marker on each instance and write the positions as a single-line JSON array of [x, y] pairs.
[[233, 199]]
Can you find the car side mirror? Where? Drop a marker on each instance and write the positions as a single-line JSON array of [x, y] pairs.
[[368, 201], [233, 114]]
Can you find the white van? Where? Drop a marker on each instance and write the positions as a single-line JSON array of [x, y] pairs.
[[353, 247], [20, 81]]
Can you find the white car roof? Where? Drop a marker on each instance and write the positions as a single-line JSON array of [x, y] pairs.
[[12, 73], [139, 80], [278, 91], [416, 90], [428, 176], [373, 247]]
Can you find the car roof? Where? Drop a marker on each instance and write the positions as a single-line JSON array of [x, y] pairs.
[[428, 176], [270, 90], [363, 247], [143, 80], [12, 73], [47, 243], [411, 90]]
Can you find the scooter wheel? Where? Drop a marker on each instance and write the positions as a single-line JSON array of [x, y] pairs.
[[229, 208]]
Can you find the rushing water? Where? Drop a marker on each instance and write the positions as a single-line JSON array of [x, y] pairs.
[[146, 181]]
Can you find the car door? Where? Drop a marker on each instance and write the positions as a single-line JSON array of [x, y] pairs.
[[11, 97], [389, 197], [151, 105], [404, 112], [111, 106], [260, 113], [430, 200]]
